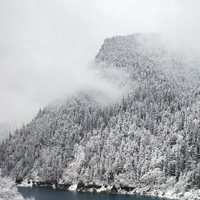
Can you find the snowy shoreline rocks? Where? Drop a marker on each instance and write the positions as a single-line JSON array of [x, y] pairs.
[[113, 189], [81, 187]]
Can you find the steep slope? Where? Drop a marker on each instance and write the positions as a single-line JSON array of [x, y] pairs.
[[147, 141]]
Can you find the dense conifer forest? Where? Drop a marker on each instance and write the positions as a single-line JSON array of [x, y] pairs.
[[147, 139]]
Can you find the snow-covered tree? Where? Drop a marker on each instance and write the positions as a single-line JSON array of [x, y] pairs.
[[8, 189]]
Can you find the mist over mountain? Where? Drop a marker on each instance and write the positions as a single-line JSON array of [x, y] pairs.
[[140, 130], [5, 128]]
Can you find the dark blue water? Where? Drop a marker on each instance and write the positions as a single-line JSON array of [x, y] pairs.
[[51, 194]]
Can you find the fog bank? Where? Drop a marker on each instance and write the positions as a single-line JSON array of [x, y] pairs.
[[45, 46]]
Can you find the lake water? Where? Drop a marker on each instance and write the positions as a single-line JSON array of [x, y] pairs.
[[51, 194]]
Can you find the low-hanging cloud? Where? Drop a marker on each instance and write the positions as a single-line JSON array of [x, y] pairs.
[[45, 45]]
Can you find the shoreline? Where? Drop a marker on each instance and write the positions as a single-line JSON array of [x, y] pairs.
[[111, 189]]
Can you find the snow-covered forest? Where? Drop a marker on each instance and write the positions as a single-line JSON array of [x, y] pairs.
[[147, 140]]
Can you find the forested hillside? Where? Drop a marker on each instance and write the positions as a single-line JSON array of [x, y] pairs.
[[149, 140]]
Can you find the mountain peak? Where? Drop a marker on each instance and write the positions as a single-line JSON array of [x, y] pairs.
[[121, 48]]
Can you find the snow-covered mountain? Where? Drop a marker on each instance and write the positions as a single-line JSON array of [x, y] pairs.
[[147, 141]]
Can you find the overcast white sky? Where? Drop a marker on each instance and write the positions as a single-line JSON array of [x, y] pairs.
[[45, 45]]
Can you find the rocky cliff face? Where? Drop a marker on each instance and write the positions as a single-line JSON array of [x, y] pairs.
[[149, 139]]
